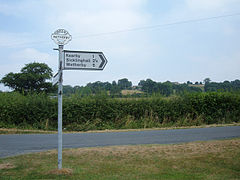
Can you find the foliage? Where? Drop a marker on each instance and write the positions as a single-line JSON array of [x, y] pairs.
[[37, 111], [167, 88], [149, 87], [93, 89], [224, 86], [101, 112], [207, 80], [124, 84], [32, 78]]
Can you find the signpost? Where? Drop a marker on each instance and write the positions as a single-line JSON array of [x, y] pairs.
[[79, 60], [84, 60], [60, 37]]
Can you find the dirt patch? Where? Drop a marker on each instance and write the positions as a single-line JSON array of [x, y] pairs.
[[63, 171], [7, 166]]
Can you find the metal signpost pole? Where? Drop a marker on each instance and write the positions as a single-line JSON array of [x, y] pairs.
[[60, 37], [81, 60], [60, 73]]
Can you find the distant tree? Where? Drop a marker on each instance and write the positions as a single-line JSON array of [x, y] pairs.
[[99, 87], [115, 90], [196, 83], [165, 88], [149, 86], [68, 90], [86, 91], [206, 80], [76, 89], [236, 85], [183, 88], [223, 86], [32, 78], [141, 83], [96, 87], [124, 84], [114, 83], [107, 86], [189, 82]]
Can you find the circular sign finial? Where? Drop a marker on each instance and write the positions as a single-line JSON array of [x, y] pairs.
[[61, 37]]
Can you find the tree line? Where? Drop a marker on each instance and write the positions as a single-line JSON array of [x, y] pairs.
[[150, 87], [99, 87], [222, 86], [35, 77]]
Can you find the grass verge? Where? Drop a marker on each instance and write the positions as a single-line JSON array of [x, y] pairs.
[[24, 131], [198, 160], [31, 131]]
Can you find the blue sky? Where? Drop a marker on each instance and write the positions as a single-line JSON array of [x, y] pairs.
[[178, 53]]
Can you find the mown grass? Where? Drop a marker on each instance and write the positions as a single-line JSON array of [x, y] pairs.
[[198, 160]]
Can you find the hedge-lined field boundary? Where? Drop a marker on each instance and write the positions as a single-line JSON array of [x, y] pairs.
[[101, 112]]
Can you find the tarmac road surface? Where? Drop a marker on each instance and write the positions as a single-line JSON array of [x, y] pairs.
[[11, 145]]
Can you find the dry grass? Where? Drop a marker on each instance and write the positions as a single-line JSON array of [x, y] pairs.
[[22, 131], [161, 151], [197, 85], [131, 92], [63, 171], [197, 160], [7, 166]]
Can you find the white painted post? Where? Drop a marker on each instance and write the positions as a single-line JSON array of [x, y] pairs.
[[60, 37], [60, 92]]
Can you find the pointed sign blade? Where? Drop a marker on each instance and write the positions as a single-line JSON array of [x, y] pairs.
[[84, 60]]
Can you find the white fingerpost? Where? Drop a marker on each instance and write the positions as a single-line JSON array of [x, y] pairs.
[[60, 37], [75, 60]]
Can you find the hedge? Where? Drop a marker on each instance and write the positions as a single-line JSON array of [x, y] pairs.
[[39, 111]]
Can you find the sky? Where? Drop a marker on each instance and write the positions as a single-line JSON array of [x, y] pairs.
[[141, 39]]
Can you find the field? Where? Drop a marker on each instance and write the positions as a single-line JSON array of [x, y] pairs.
[[131, 92], [201, 86], [197, 160]]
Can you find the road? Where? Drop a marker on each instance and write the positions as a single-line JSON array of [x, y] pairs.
[[11, 145]]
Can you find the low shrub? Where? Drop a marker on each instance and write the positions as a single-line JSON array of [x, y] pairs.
[[39, 111]]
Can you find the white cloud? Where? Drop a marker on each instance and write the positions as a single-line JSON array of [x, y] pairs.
[[82, 18], [94, 16], [31, 54]]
